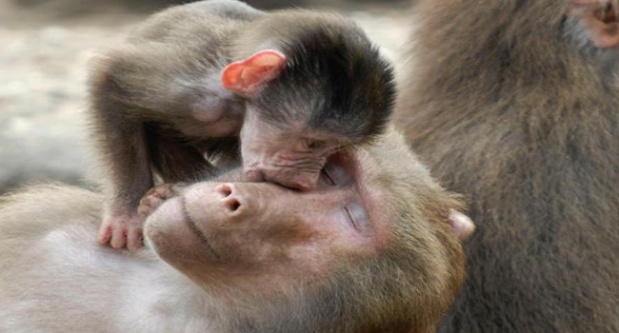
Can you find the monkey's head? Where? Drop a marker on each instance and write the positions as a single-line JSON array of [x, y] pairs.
[[315, 85], [469, 52], [370, 249]]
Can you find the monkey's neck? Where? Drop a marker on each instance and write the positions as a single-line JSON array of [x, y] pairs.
[[156, 290]]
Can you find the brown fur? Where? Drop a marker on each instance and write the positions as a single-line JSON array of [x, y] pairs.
[[507, 104], [145, 89], [54, 277], [159, 106]]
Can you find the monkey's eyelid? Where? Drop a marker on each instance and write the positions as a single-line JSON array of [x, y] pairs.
[[328, 178], [351, 219], [338, 146], [315, 144], [358, 218]]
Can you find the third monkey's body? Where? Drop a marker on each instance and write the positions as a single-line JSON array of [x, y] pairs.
[[520, 111], [160, 106]]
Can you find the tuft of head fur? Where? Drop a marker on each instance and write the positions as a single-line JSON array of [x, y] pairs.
[[335, 79]]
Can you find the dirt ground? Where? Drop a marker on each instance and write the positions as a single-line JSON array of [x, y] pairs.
[[45, 47]]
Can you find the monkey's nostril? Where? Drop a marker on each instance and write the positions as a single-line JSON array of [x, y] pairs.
[[229, 201], [224, 189], [232, 204]]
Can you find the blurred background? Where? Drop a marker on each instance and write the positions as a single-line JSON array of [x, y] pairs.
[[45, 46]]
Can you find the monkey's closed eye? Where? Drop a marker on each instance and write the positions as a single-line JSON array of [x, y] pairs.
[[315, 144]]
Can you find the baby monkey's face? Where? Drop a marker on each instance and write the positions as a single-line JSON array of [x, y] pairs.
[[290, 155]]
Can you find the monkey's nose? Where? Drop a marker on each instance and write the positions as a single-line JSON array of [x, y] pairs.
[[230, 201]]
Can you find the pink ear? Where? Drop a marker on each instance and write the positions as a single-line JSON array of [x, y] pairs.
[[249, 75], [600, 22], [461, 225]]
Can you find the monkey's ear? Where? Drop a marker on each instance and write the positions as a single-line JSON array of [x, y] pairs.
[[461, 225], [599, 20], [247, 76]]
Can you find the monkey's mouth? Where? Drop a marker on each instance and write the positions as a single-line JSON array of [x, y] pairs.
[[196, 231]]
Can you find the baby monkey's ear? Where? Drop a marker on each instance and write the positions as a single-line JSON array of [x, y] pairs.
[[248, 76]]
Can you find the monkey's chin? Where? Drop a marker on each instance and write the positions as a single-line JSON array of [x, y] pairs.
[[201, 236]]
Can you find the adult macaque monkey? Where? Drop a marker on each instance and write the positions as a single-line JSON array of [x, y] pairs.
[[296, 86], [370, 249], [516, 104]]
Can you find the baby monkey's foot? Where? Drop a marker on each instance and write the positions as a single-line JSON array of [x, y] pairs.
[[121, 229]]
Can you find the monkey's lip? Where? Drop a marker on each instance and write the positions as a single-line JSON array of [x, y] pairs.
[[193, 227]]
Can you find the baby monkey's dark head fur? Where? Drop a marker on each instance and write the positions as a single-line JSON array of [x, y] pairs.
[[334, 82]]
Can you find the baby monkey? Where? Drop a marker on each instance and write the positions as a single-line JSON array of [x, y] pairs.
[[294, 86]]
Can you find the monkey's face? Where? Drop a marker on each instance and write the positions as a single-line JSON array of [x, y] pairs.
[[287, 154], [248, 234], [375, 221]]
